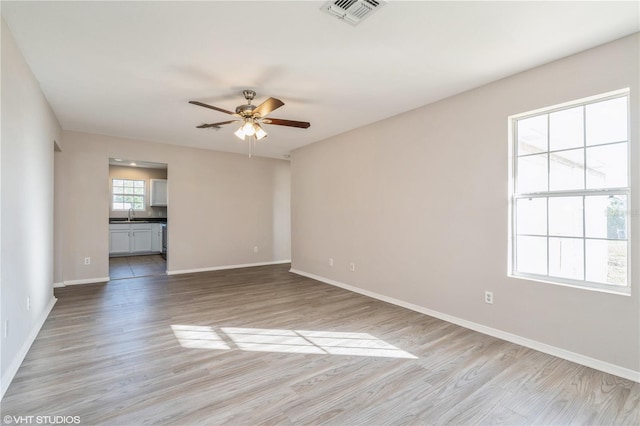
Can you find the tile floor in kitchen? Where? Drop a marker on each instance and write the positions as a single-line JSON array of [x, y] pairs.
[[136, 266]]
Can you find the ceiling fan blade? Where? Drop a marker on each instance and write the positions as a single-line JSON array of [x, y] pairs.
[[290, 123], [267, 106], [211, 107], [216, 125]]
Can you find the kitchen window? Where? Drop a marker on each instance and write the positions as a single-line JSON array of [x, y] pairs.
[[127, 194], [571, 192]]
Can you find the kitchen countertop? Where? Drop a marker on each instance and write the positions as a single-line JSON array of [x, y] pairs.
[[124, 221]]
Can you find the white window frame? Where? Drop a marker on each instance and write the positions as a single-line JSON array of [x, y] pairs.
[[144, 195], [513, 196]]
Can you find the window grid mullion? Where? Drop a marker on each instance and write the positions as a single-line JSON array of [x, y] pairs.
[[584, 239], [514, 214], [555, 151], [584, 187], [548, 187], [571, 193]]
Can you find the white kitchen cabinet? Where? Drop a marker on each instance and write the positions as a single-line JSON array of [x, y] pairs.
[[140, 237], [135, 238], [156, 238], [119, 239], [158, 193]]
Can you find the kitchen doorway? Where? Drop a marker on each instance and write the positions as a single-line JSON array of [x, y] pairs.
[[138, 218]]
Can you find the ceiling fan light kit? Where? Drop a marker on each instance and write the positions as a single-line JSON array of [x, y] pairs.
[[248, 127], [251, 116], [260, 133]]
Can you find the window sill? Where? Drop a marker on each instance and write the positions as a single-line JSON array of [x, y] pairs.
[[619, 291]]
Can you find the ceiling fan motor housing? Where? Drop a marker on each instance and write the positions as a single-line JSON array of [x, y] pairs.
[[245, 110]]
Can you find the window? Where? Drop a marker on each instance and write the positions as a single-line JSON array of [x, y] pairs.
[[127, 194], [571, 194]]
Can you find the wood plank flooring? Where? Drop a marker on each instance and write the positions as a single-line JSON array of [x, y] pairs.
[[136, 266], [264, 346]]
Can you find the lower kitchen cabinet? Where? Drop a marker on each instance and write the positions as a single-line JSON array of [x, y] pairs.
[[119, 241], [141, 238], [134, 238]]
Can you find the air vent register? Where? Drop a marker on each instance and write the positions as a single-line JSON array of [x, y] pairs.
[[352, 11]]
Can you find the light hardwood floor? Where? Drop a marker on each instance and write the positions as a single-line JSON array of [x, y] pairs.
[[264, 346]]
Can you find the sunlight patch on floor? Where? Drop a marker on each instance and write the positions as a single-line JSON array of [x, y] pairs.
[[290, 341], [198, 337]]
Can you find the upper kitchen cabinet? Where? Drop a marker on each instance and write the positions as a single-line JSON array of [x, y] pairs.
[[158, 193]]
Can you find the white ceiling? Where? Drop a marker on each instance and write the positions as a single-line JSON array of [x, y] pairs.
[[129, 68]]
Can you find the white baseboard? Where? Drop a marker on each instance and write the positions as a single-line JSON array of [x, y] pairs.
[[86, 281], [220, 268], [513, 338], [7, 378], [58, 285]]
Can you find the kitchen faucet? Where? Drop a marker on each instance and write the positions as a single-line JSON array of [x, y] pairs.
[[132, 214]]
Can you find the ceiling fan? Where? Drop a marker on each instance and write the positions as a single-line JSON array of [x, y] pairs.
[[251, 117]]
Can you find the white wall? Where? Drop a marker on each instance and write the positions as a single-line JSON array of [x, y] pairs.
[[221, 205], [419, 203], [29, 129]]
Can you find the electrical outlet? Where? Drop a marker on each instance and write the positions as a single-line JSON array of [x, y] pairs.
[[28, 303], [255, 249], [488, 297], [352, 267], [331, 261], [87, 261]]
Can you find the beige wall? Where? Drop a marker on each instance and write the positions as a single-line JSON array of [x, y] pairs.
[[57, 218], [29, 129], [138, 173], [221, 205], [419, 203]]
